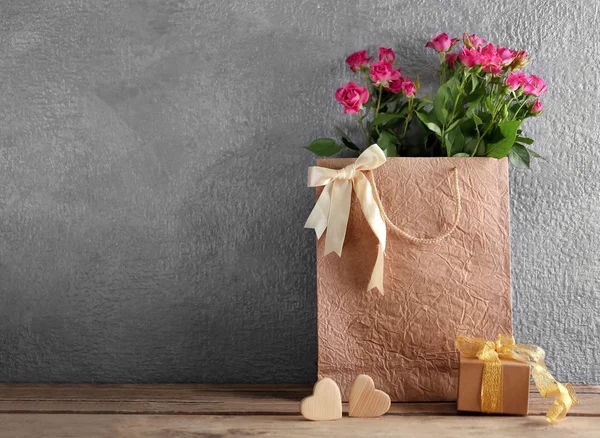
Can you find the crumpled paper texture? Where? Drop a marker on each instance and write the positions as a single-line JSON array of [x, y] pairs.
[[433, 292]]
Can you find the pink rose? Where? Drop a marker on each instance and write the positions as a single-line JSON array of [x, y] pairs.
[[492, 62], [470, 57], [352, 97], [358, 60], [537, 107], [472, 41], [395, 85], [442, 43], [520, 60], [507, 55], [492, 68], [408, 88], [535, 86], [489, 52], [451, 58], [387, 55], [384, 74], [516, 80]]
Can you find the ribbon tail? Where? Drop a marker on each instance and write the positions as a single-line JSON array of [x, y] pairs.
[[563, 400], [376, 281], [364, 193], [339, 212], [319, 215], [564, 395]]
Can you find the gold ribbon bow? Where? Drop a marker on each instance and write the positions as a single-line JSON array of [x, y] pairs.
[[491, 352], [332, 209]]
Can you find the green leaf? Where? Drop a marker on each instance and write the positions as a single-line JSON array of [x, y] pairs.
[[473, 96], [489, 104], [350, 145], [474, 83], [514, 108], [474, 105], [347, 142], [324, 147], [485, 117], [444, 115], [443, 102], [384, 118], [387, 141], [422, 103], [535, 154], [453, 125], [525, 140], [477, 120], [461, 154], [468, 127], [507, 132], [518, 156], [428, 122], [456, 140], [470, 146]]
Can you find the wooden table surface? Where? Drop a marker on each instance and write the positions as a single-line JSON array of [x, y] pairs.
[[213, 411]]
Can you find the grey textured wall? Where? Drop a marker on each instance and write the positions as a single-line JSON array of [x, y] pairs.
[[152, 180]]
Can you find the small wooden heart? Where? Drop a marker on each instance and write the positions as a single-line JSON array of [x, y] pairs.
[[324, 404], [365, 400]]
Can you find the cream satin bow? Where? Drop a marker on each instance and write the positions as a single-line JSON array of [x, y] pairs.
[[332, 209]]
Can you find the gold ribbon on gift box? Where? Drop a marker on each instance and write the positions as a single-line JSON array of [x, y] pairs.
[[491, 352]]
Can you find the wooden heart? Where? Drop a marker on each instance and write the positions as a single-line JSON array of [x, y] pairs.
[[365, 400], [324, 404]]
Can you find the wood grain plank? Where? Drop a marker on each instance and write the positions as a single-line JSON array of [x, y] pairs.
[[213, 400], [156, 426], [179, 392], [142, 391]]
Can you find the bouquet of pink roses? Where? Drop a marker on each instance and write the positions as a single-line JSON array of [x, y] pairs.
[[483, 99]]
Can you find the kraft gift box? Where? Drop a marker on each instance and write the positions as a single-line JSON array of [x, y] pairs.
[[515, 386]]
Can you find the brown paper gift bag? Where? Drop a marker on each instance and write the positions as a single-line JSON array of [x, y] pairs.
[[434, 292]]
